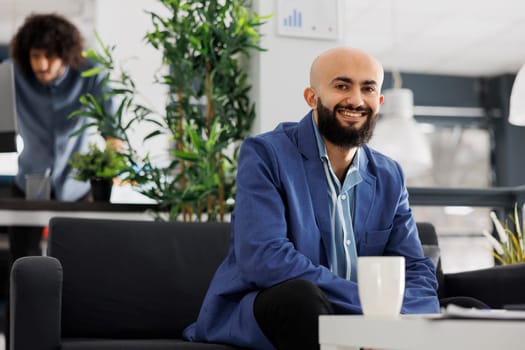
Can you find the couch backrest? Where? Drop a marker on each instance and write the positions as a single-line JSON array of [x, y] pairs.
[[134, 279], [429, 241]]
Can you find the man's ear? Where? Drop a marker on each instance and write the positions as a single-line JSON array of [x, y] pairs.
[[310, 97], [381, 100]]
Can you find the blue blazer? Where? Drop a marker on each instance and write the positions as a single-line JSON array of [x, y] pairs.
[[281, 230]]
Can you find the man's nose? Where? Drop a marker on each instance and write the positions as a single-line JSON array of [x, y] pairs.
[[354, 99], [42, 63]]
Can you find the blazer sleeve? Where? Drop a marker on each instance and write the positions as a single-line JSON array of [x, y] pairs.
[[420, 277]]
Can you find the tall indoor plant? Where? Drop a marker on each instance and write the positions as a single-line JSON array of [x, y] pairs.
[[209, 112], [205, 44]]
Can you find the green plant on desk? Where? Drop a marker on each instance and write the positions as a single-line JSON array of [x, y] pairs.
[[98, 163], [509, 247]]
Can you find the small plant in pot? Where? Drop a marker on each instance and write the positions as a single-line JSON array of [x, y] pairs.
[[509, 246], [99, 167]]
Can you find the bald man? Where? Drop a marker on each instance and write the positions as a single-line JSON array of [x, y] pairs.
[[311, 198]]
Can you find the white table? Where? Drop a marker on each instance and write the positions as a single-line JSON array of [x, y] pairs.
[[419, 333]]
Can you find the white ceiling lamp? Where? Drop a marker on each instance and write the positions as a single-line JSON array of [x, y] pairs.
[[398, 134], [517, 99]]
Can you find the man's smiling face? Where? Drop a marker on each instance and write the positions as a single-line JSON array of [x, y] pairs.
[[345, 94]]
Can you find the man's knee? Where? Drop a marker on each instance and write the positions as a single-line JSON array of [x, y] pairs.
[[306, 295], [288, 313], [297, 296]]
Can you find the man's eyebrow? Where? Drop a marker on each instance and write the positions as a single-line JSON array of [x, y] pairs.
[[369, 82], [350, 81], [343, 79]]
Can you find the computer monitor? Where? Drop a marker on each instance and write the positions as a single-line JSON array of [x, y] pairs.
[[7, 108]]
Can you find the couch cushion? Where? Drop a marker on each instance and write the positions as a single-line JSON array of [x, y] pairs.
[[134, 279]]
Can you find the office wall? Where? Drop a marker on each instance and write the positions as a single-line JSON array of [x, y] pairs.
[[509, 140], [124, 24], [281, 74]]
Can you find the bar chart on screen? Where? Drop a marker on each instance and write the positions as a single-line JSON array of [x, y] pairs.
[[310, 19], [295, 19]]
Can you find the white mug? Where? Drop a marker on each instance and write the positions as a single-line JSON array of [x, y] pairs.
[[381, 285]]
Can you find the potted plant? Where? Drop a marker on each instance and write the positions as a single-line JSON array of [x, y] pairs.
[[99, 167], [205, 44], [509, 247], [107, 113]]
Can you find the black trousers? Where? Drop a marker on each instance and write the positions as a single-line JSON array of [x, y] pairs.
[[288, 314]]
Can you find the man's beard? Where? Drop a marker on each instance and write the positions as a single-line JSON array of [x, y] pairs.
[[340, 135]]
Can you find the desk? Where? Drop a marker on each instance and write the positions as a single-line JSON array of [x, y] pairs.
[[20, 212], [414, 332]]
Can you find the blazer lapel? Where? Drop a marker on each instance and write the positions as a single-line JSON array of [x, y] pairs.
[[364, 197], [316, 178]]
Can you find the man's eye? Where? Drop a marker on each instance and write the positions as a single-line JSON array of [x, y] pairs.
[[341, 87], [369, 89]]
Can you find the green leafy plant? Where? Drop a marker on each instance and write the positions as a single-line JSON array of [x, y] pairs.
[[205, 44], [98, 164], [209, 112], [117, 87], [509, 248]]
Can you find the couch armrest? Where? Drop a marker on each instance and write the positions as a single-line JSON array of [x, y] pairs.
[[35, 306], [496, 286]]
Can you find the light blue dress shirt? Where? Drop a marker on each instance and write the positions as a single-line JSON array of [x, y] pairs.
[[45, 129], [341, 199]]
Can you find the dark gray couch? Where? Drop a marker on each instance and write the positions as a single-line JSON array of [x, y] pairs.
[[134, 285], [110, 284], [496, 287]]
